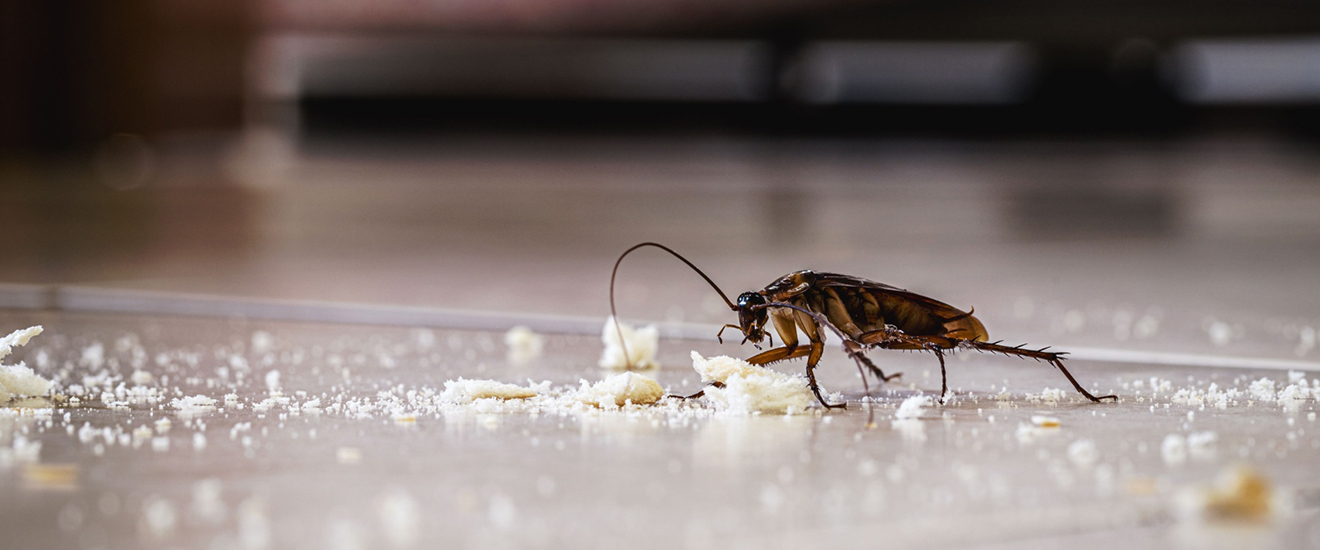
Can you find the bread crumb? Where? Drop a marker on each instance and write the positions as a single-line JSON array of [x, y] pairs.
[[19, 380], [642, 344], [466, 391], [720, 368], [17, 338], [1042, 421], [622, 389], [751, 389], [913, 407], [194, 403]]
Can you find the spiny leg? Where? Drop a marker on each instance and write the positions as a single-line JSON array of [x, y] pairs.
[[944, 378], [815, 388], [855, 351], [1053, 358], [716, 384], [892, 338], [812, 352]]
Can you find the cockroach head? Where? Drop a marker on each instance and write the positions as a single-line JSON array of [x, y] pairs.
[[751, 316]]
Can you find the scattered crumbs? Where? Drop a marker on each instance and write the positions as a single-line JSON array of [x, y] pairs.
[[1262, 390], [641, 343], [1049, 395], [622, 389], [193, 403]]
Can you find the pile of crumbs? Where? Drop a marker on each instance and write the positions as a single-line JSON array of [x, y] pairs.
[[743, 388], [20, 380]]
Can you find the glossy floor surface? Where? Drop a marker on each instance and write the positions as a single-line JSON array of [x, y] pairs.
[[1152, 263]]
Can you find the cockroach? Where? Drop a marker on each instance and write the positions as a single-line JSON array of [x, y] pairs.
[[864, 314]]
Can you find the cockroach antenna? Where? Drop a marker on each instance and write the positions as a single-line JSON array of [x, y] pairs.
[[614, 312]]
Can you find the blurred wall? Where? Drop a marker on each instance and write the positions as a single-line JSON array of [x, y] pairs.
[[72, 74]]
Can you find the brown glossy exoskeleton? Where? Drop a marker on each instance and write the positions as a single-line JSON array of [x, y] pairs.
[[864, 315]]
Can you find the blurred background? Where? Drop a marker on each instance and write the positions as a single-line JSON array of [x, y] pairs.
[[1072, 169]]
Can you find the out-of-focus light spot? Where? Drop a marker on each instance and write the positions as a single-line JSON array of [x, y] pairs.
[[1247, 71]]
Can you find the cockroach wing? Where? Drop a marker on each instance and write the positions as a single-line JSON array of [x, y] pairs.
[[910, 312]]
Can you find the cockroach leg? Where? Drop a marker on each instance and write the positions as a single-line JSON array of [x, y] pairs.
[[855, 351], [1051, 357], [811, 379], [716, 384], [720, 335], [944, 378]]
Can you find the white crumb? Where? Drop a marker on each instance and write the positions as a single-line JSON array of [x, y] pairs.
[[720, 368], [621, 389], [642, 344], [1049, 395], [1262, 390], [751, 389], [16, 339], [193, 403], [913, 407], [142, 378], [19, 380], [523, 344], [466, 391], [1045, 421]]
